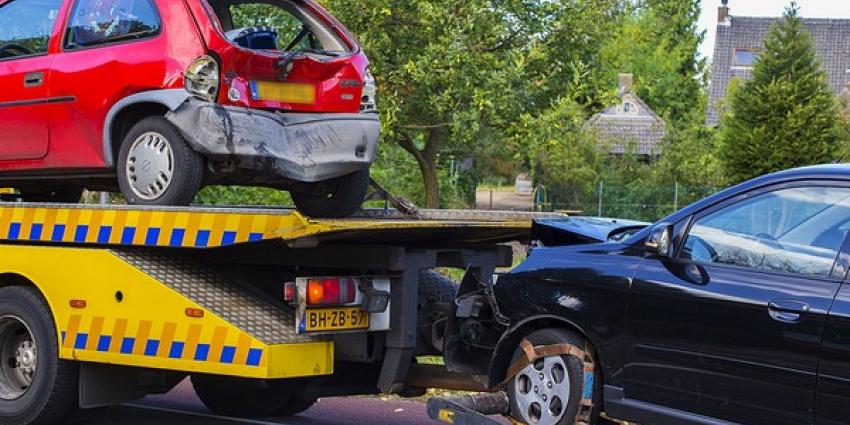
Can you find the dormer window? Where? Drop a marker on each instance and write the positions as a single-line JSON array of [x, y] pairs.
[[746, 58]]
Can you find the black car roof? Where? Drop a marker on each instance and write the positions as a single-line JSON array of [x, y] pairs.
[[815, 172]]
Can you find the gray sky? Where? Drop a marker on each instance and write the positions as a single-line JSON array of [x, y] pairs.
[[808, 8]]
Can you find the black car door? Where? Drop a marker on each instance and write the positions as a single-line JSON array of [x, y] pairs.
[[832, 404], [730, 326]]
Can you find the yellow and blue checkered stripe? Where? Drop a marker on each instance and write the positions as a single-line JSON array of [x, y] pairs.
[[172, 342], [128, 227]]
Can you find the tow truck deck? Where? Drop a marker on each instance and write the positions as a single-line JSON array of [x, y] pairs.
[[192, 291]]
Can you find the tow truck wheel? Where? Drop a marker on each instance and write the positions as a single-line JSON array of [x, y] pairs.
[[337, 198], [247, 398], [549, 391], [157, 167], [35, 385]]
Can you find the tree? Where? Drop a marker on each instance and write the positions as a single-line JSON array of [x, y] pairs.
[[659, 43], [453, 76], [786, 115], [440, 67]]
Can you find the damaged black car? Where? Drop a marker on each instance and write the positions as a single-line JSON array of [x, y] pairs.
[[732, 310]]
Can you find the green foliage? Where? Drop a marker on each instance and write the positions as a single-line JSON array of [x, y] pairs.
[[659, 42], [453, 76], [242, 196], [564, 157], [786, 115]]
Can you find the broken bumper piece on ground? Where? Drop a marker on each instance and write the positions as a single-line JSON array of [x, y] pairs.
[[298, 146]]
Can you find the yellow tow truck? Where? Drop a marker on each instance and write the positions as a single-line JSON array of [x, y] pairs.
[[265, 309]]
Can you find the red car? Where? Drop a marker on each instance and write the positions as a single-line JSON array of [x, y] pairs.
[[158, 98]]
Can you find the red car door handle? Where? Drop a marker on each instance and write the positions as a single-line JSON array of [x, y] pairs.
[[34, 79], [788, 311]]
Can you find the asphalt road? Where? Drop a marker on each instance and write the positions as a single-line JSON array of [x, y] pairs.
[[182, 407]]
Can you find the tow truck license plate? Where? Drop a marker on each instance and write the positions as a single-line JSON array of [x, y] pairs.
[[336, 319]]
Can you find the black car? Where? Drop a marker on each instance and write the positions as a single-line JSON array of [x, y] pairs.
[[732, 310]]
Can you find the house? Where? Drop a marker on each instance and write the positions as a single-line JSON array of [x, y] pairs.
[[631, 122], [740, 40]]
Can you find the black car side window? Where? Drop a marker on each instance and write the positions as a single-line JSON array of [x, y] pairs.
[[798, 230], [25, 27], [96, 22]]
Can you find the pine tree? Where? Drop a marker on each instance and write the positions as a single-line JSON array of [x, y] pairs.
[[785, 116]]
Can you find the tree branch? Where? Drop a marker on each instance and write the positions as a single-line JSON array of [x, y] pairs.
[[407, 144], [425, 126]]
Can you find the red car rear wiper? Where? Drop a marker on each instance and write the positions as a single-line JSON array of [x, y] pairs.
[[287, 59]]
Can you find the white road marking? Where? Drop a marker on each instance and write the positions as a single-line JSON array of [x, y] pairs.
[[203, 415]]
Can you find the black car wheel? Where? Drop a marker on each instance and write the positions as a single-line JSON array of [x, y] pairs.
[[36, 386], [337, 198], [249, 398], [549, 391], [157, 167]]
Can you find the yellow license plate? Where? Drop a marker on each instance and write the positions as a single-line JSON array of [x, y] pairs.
[[336, 319], [284, 92], [7, 191]]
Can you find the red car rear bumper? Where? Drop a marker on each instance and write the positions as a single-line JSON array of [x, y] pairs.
[[304, 147]]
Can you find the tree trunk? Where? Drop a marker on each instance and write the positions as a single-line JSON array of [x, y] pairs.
[[432, 184], [427, 160]]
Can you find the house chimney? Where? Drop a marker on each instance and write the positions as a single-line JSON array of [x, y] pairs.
[[626, 83], [723, 12]]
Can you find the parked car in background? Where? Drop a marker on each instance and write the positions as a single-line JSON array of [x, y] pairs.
[[732, 310], [158, 98]]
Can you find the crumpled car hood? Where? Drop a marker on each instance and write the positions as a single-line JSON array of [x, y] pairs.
[[582, 230]]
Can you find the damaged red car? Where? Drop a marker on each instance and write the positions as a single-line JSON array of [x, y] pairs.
[[158, 98]]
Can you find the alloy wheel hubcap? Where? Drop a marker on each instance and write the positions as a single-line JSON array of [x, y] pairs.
[[542, 391], [20, 358], [150, 166]]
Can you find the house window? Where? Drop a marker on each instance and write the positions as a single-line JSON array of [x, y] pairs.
[[628, 107], [746, 57]]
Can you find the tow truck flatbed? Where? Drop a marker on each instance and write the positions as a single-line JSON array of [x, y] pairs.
[[220, 227], [141, 297]]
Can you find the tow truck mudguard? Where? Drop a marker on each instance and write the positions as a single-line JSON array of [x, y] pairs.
[[304, 147]]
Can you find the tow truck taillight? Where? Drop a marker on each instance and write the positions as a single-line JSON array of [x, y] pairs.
[[290, 291], [331, 291]]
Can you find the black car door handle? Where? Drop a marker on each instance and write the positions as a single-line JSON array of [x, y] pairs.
[[788, 311], [34, 79]]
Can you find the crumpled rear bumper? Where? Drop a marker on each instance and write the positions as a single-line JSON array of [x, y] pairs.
[[304, 147]]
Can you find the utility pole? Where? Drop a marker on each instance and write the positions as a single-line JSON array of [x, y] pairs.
[[601, 189]]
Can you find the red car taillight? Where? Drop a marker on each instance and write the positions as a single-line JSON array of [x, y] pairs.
[[331, 291]]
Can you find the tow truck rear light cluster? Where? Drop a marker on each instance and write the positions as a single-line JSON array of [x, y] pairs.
[[290, 291], [331, 291]]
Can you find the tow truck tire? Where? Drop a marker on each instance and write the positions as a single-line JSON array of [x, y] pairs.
[[531, 399], [436, 294], [246, 398], [156, 166], [337, 198], [36, 386]]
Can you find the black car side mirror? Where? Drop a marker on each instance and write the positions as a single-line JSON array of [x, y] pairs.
[[660, 240]]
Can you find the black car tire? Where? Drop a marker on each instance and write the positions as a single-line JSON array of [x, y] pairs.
[[187, 168], [52, 394], [337, 198], [574, 371], [246, 398], [61, 195]]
